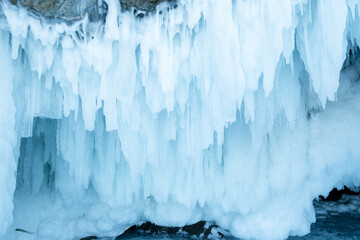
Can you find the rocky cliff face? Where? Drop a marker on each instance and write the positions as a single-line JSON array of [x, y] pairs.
[[70, 10], [143, 5]]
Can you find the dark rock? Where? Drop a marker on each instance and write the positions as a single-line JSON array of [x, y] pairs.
[[142, 5], [336, 194], [96, 10], [68, 10], [198, 230]]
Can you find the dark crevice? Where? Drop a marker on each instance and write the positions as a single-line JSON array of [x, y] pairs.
[[89, 238], [335, 194]]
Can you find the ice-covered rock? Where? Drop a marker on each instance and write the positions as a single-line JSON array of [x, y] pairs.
[[142, 5], [66, 10]]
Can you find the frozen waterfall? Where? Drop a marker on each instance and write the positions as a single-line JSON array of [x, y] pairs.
[[237, 112]]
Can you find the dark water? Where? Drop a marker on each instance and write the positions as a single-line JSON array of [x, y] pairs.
[[339, 226]]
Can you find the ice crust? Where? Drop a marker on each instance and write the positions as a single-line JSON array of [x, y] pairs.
[[237, 112]]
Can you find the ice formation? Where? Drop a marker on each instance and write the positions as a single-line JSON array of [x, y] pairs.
[[231, 111]]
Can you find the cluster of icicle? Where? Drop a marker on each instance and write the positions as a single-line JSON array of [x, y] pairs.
[[237, 112]]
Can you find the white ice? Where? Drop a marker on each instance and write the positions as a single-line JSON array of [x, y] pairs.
[[232, 111]]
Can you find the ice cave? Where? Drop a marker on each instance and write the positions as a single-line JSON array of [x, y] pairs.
[[235, 113]]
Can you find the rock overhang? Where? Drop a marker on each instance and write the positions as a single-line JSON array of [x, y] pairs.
[[95, 10]]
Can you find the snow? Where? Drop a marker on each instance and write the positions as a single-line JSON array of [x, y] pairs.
[[235, 112]]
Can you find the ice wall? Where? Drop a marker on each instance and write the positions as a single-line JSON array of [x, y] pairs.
[[219, 110], [7, 134]]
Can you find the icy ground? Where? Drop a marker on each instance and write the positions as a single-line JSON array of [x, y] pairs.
[[235, 112], [336, 220]]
